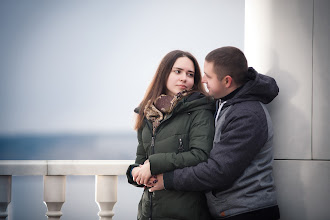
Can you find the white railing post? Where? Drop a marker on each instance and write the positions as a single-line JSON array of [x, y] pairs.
[[54, 195], [5, 195], [106, 195]]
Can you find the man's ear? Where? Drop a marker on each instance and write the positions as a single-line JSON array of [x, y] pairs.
[[228, 81]]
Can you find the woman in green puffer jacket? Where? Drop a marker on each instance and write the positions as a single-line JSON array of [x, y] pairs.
[[175, 127]]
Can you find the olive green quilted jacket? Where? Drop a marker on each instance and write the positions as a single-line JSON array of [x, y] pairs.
[[183, 138]]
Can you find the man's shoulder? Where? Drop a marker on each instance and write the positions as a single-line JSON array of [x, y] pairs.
[[251, 105], [247, 109]]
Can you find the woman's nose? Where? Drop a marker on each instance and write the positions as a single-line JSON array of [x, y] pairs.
[[183, 77]]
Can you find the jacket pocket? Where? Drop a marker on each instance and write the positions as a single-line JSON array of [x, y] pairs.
[[215, 204]]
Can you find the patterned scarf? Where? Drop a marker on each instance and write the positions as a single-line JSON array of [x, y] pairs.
[[163, 105]]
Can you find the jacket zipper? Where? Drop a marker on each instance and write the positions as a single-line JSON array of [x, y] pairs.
[[152, 152], [152, 138], [181, 148], [153, 144], [151, 193]]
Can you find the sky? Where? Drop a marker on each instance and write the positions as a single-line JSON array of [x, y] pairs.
[[83, 66]]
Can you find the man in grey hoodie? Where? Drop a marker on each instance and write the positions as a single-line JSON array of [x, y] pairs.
[[237, 178]]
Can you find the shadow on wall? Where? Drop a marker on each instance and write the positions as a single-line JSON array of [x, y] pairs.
[[285, 113], [284, 142]]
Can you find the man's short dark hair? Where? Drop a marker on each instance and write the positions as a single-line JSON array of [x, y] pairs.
[[229, 61]]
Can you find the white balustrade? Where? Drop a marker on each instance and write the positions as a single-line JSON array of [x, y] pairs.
[[55, 171], [105, 196], [54, 195], [5, 195]]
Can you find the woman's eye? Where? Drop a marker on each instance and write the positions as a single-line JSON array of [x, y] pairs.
[[191, 75], [177, 71]]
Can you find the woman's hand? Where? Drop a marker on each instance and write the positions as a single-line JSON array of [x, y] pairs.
[[142, 175], [135, 172]]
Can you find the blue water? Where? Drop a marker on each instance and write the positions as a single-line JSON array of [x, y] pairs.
[[120, 146], [27, 191]]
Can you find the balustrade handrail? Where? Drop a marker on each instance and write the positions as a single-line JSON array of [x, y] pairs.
[[63, 167], [55, 171]]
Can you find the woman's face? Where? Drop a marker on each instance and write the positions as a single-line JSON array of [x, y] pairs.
[[181, 76]]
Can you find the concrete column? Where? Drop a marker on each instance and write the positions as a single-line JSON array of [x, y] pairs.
[[290, 41], [279, 43]]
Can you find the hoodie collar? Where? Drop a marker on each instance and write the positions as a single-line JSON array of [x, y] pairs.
[[231, 95], [258, 87]]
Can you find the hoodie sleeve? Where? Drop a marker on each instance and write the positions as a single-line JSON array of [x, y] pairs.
[[243, 134]]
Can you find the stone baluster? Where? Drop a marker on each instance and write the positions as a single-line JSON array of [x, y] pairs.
[[54, 195], [5, 195], [106, 195]]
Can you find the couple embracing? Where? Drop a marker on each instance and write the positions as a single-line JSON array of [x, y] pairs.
[[205, 155]]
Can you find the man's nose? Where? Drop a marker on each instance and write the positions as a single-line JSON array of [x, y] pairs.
[[203, 79]]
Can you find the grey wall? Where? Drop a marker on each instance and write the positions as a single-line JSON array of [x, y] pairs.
[[289, 40]]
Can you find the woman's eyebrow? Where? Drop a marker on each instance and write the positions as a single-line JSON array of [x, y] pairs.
[[190, 71]]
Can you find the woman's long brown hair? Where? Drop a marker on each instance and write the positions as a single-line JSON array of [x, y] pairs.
[[158, 84]]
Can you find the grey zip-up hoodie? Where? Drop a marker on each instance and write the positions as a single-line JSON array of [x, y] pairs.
[[237, 177]]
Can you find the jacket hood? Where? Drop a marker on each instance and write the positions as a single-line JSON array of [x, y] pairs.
[[259, 88]]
